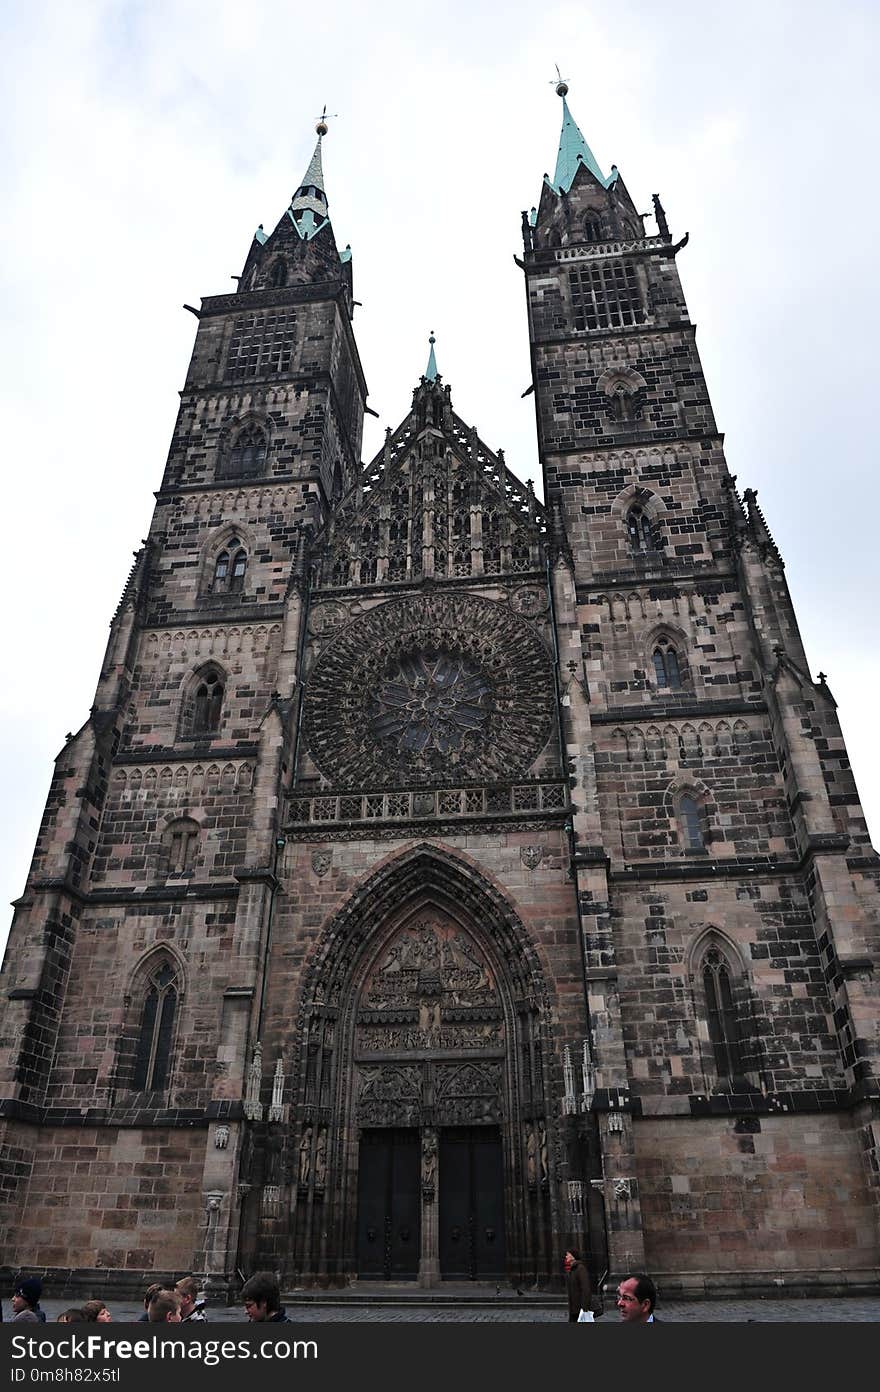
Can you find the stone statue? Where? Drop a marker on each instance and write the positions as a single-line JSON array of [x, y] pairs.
[[321, 1158], [305, 1157], [545, 1163], [429, 1161], [531, 1154]]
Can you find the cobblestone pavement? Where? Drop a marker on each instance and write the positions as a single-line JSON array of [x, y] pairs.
[[831, 1309]]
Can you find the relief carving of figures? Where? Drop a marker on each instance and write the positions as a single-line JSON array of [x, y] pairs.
[[423, 957], [321, 861], [305, 1158], [390, 1096]]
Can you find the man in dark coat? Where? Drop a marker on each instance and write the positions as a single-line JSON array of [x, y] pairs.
[[577, 1284], [26, 1300]]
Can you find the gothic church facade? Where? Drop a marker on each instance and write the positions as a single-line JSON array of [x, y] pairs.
[[444, 878]]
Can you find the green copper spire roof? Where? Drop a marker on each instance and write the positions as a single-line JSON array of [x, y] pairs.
[[431, 369], [308, 206], [574, 150]]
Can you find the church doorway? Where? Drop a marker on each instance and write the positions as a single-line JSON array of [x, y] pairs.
[[471, 1221], [389, 1204], [426, 1061]]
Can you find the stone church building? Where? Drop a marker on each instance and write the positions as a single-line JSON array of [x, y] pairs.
[[443, 877]]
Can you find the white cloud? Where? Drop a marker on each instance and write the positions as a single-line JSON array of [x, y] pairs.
[[141, 145]]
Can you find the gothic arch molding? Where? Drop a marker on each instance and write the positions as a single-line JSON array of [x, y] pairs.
[[468, 1044]]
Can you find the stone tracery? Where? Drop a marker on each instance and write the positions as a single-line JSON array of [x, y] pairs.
[[426, 688]]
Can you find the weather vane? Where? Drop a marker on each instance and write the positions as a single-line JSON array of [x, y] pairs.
[[321, 126], [559, 82]]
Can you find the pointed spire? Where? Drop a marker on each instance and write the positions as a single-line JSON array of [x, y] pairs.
[[431, 369], [308, 206], [574, 150]]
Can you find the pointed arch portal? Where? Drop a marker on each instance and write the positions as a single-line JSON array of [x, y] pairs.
[[421, 1136]]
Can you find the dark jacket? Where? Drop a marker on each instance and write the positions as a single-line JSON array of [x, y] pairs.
[[279, 1317], [198, 1315], [580, 1292]]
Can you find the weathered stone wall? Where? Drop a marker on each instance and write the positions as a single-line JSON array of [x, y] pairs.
[[728, 1202], [115, 1199]]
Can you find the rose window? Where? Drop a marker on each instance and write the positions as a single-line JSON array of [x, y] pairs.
[[427, 689], [431, 703]]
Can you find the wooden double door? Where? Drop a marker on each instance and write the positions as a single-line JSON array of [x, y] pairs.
[[470, 1204]]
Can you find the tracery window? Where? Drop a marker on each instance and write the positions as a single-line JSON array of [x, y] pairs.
[[152, 1063], [247, 456], [691, 823], [207, 702], [229, 568], [278, 275], [181, 839], [724, 1032], [592, 228], [606, 296], [667, 668], [639, 529]]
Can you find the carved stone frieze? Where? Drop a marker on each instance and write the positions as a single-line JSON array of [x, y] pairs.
[[426, 688], [389, 1096], [430, 991]]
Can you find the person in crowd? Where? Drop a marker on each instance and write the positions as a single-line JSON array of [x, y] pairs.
[[164, 1308], [152, 1290], [72, 1316], [192, 1305], [262, 1299], [577, 1285], [26, 1300], [636, 1298], [96, 1311]]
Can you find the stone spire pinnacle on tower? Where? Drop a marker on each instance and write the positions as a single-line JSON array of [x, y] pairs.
[[574, 150], [431, 369], [308, 206]]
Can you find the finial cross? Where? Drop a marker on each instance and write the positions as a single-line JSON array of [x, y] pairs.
[[321, 121]]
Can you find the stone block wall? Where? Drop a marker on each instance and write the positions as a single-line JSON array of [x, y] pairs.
[[727, 1204], [107, 1198]]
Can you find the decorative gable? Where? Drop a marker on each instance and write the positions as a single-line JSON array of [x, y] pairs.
[[436, 503]]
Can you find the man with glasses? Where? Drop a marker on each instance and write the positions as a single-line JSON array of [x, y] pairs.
[[636, 1297]]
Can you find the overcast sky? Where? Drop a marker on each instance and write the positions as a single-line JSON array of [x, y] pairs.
[[141, 144]]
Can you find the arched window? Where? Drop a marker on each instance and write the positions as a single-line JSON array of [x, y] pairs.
[[592, 228], [152, 1062], [247, 456], [691, 822], [229, 568], [278, 275], [721, 1015], [667, 668], [181, 838], [207, 703], [639, 530]]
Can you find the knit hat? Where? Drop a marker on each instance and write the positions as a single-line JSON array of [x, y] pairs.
[[31, 1287]]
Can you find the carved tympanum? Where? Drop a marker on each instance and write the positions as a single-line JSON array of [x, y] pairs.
[[430, 992]]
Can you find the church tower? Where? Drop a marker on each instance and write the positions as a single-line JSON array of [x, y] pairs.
[[727, 888], [443, 878]]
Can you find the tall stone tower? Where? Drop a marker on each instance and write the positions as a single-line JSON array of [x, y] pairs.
[[726, 884], [443, 878]]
